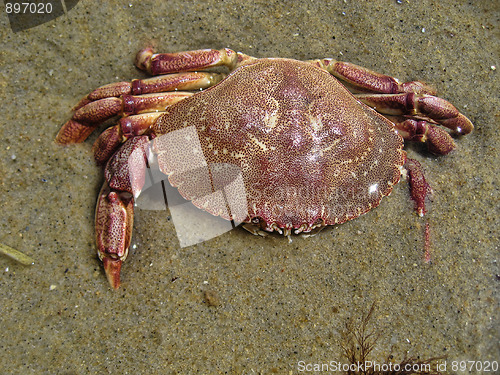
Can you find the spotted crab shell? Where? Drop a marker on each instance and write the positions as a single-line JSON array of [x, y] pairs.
[[282, 143]]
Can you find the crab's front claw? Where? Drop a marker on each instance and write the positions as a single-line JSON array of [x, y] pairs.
[[112, 269], [114, 220], [124, 175]]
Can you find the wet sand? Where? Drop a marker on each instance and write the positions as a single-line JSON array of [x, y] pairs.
[[240, 303]]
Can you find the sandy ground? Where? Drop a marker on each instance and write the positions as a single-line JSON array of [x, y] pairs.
[[240, 303]]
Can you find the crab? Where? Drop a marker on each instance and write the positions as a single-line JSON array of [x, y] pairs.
[[308, 151]]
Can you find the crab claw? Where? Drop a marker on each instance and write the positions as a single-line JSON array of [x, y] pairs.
[[114, 220], [112, 269], [114, 216]]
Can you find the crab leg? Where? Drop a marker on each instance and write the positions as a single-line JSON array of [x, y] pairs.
[[367, 80], [121, 98], [388, 96], [438, 141], [419, 106], [111, 139], [162, 63], [105, 102], [124, 174], [91, 115], [187, 81], [419, 188]]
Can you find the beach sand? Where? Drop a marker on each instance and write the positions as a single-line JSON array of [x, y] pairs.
[[237, 303]]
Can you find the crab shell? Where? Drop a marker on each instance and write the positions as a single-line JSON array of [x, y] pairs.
[[308, 153]]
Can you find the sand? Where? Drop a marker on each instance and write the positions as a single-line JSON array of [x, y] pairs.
[[242, 304]]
